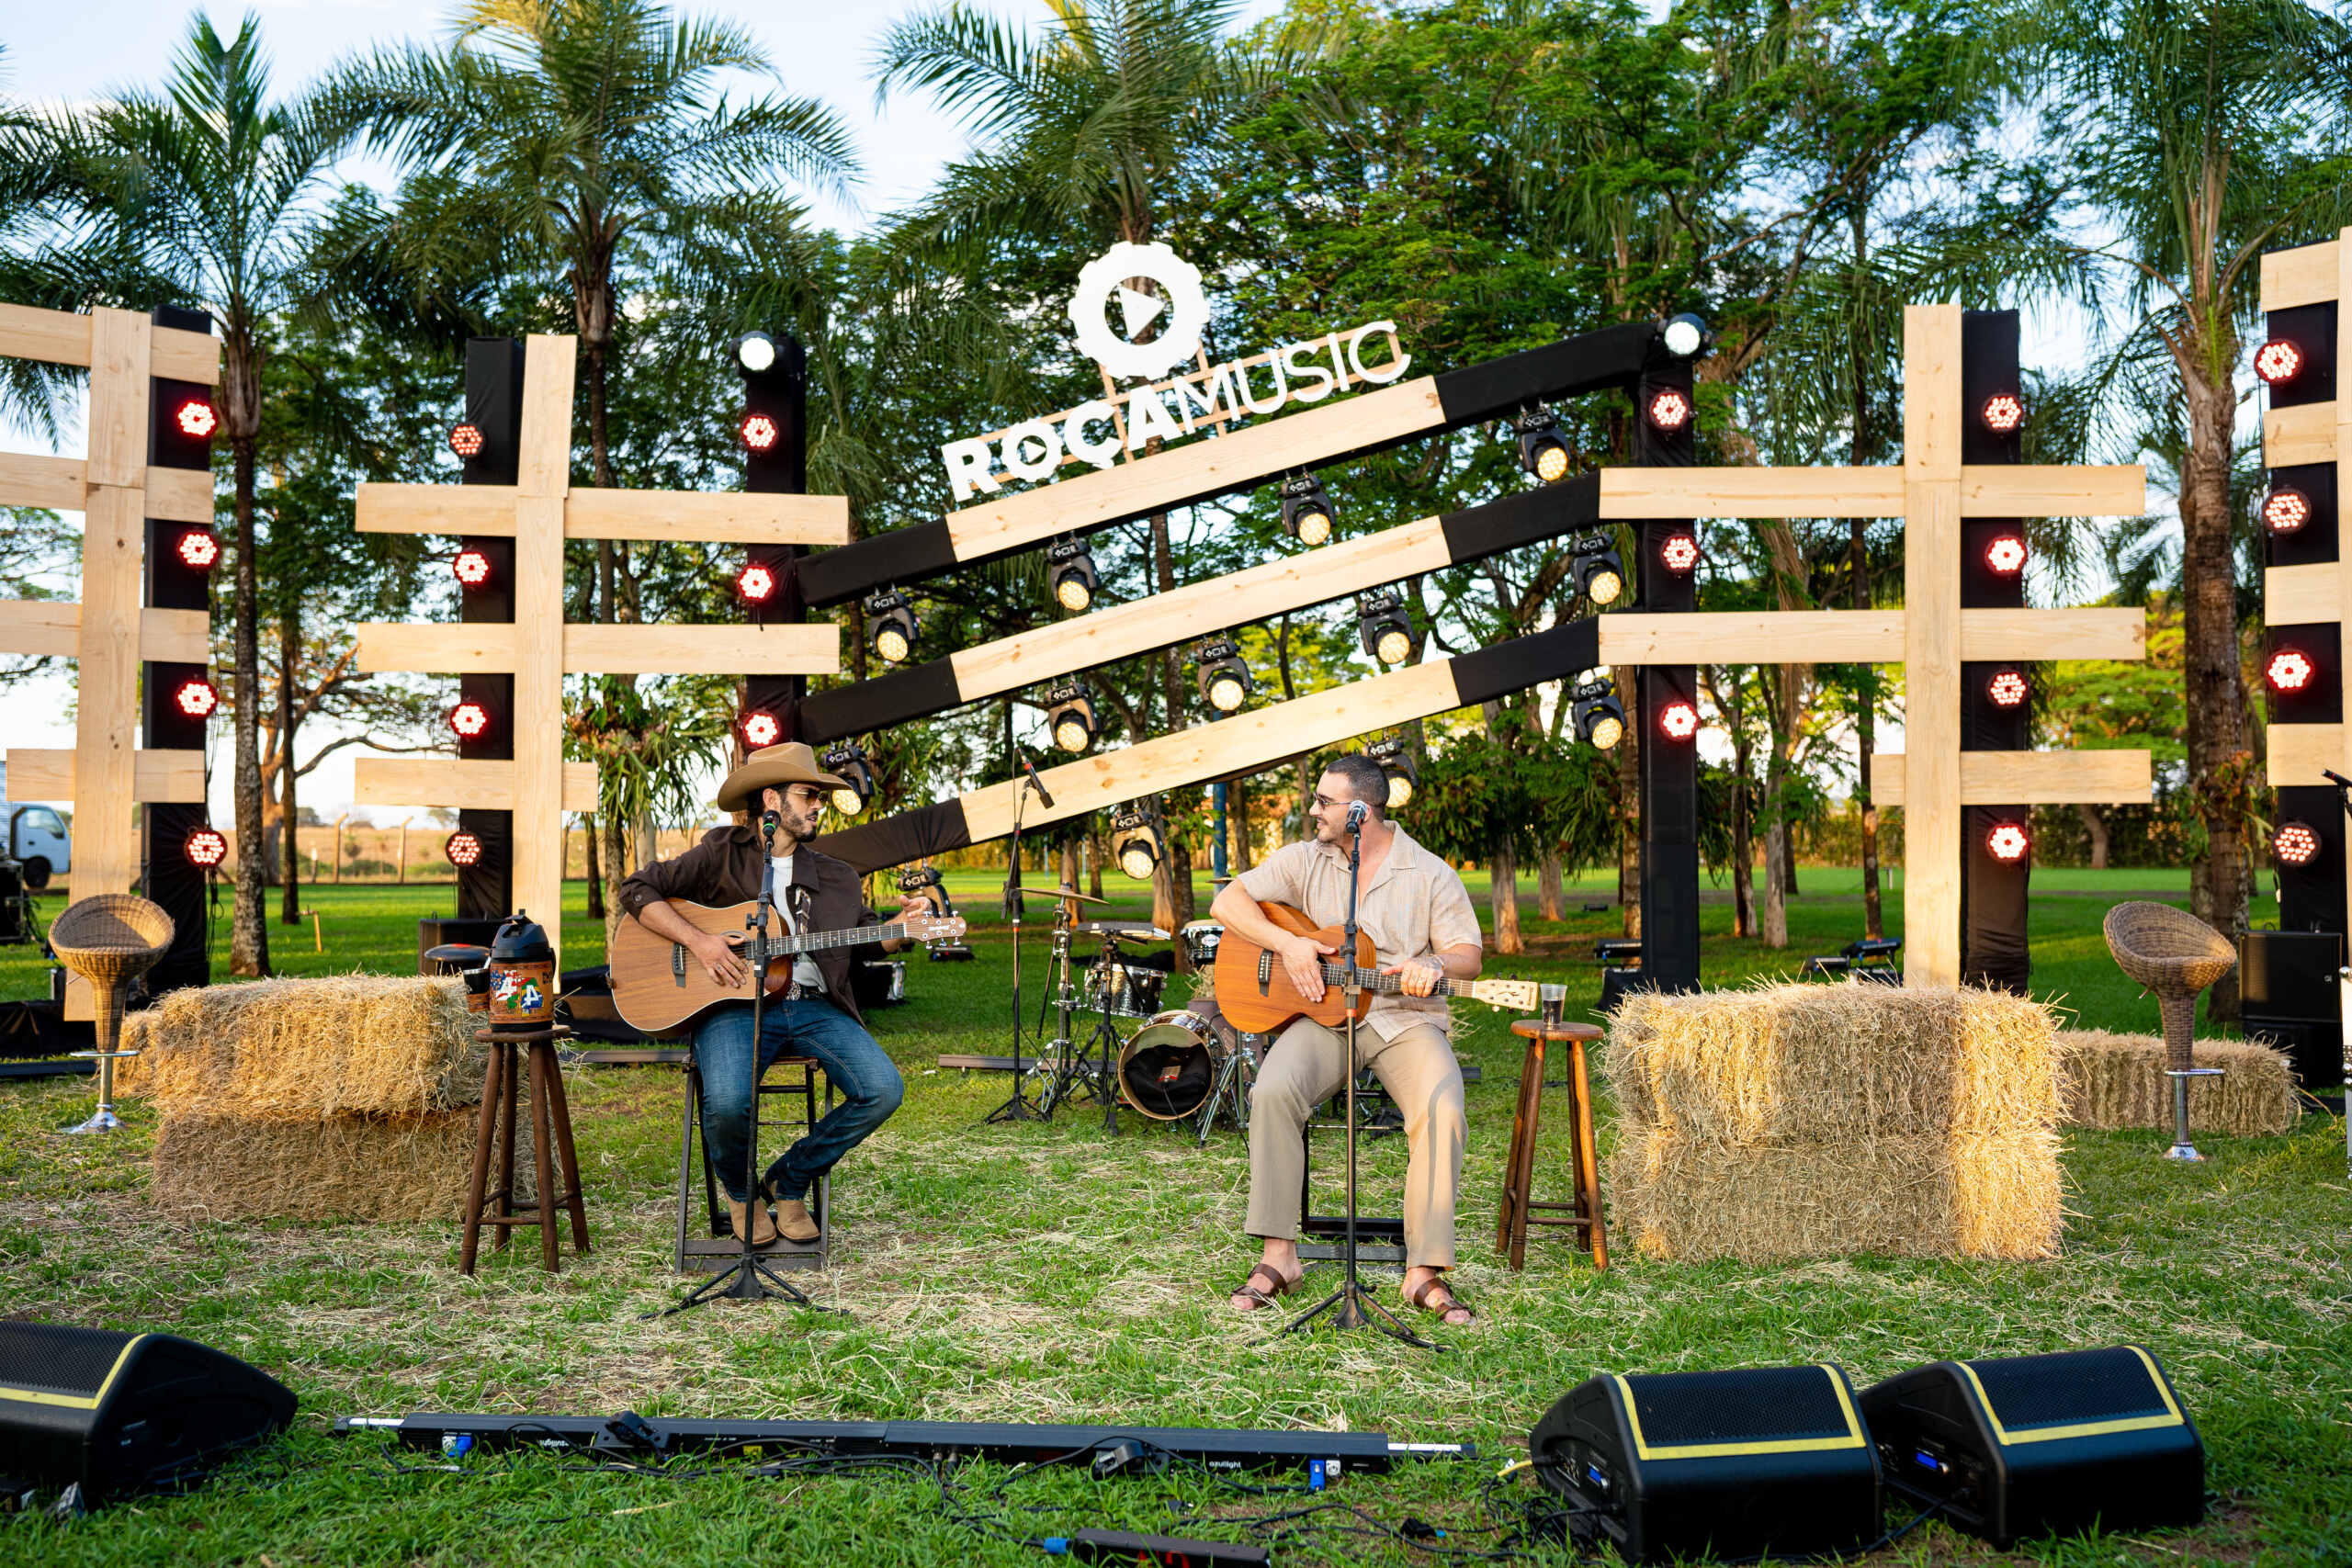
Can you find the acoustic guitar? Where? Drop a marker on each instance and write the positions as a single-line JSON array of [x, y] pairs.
[[1254, 992], [659, 987]]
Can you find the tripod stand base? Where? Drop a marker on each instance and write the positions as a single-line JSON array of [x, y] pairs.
[[749, 1279], [1354, 1306], [103, 1119], [1017, 1108]]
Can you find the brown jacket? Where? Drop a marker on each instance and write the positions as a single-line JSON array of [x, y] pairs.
[[824, 896]]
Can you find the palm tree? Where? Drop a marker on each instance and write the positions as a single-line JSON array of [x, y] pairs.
[[217, 190], [2197, 128]]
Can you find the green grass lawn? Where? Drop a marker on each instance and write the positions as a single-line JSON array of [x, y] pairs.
[[1054, 1273]]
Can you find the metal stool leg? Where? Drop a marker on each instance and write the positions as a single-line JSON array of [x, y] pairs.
[[685, 1158]]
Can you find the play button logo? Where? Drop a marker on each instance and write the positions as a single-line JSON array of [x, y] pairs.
[[1111, 275]]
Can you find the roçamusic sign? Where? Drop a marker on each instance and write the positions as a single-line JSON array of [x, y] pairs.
[[1305, 371]]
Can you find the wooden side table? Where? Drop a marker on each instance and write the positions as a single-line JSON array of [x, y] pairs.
[[550, 1126], [1520, 1208]]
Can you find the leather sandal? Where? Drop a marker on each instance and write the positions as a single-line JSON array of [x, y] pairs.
[[1453, 1302], [1275, 1287]]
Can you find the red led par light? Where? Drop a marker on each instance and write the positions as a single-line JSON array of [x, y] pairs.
[[2295, 843], [1679, 554], [469, 720], [2290, 670], [196, 418], [759, 729], [756, 584], [2002, 413], [463, 849], [472, 568], [1670, 410], [2005, 554], [2285, 510], [199, 550], [205, 848], [2006, 688], [2278, 361], [1679, 721], [196, 697], [2007, 842], [465, 440], [759, 432]]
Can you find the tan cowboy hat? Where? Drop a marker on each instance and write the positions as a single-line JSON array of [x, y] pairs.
[[773, 767]]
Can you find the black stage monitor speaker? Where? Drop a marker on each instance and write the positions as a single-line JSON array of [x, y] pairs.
[[2041, 1445], [1734, 1463], [119, 1414]]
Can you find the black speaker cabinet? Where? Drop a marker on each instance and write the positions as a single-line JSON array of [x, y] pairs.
[[125, 1412], [1736, 1463], [2041, 1445]]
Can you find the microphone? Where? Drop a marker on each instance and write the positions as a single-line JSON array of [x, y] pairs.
[[2334, 777], [1357, 812], [769, 822], [1037, 783]]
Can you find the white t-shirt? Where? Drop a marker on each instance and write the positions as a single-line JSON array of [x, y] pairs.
[[804, 968]]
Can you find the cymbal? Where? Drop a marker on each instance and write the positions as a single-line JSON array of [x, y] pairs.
[[1134, 930], [1061, 892]]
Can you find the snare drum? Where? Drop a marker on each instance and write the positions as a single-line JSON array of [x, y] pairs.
[[1201, 938], [1124, 992], [1168, 1067]]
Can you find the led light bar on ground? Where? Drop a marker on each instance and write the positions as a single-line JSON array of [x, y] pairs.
[[1329, 432], [1243, 744], [1007, 1442]]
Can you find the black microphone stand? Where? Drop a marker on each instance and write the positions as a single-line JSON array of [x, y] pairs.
[[750, 1277], [1357, 1307], [1017, 1107]]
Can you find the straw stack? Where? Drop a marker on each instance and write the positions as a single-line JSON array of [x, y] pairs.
[[2117, 1081], [1812, 1121], [356, 1095]]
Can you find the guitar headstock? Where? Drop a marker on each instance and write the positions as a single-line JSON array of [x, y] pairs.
[[936, 927], [1519, 995]]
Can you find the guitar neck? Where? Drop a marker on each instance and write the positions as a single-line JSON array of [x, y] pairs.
[[814, 942], [1389, 985]]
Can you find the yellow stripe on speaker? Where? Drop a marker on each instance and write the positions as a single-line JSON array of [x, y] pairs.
[[2008, 1438], [1852, 1439], [67, 1401]]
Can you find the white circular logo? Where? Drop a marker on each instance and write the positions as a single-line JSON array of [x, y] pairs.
[[1103, 281]]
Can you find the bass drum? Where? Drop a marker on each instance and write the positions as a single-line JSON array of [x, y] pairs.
[[1168, 1067]]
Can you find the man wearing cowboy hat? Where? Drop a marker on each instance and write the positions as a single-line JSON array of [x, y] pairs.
[[813, 1014]]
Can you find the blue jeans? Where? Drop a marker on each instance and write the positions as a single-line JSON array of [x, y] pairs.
[[867, 1078]]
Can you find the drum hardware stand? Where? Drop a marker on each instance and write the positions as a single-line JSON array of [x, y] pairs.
[[1053, 1061], [1353, 1305], [749, 1277], [1017, 1106], [1240, 1070], [1092, 1064]]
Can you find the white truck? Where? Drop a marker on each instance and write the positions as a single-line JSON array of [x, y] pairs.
[[34, 835]]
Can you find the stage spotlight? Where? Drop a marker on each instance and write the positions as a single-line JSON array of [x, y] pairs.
[[196, 418], [196, 697], [205, 848], [1383, 625], [891, 627], [2005, 554], [2006, 688], [472, 568], [1404, 775], [755, 352], [1543, 451], [1599, 716], [465, 439], [1070, 718], [199, 550], [1134, 842], [1223, 679], [1678, 721], [1679, 553], [1670, 408], [2295, 843], [1308, 516], [2285, 510], [470, 721], [2007, 842], [1069, 573], [755, 583], [1599, 570], [759, 432], [2290, 670], [463, 849], [1684, 336], [2002, 413], [2278, 361], [760, 727], [849, 765]]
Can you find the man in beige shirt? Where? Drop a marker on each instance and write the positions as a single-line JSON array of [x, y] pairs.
[[1423, 929]]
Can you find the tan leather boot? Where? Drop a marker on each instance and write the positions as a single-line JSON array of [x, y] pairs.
[[764, 1228], [792, 1218]]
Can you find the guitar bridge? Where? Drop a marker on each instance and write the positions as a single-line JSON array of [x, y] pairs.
[[678, 965], [1266, 973]]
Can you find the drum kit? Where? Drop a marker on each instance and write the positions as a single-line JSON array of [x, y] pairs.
[[1166, 1064]]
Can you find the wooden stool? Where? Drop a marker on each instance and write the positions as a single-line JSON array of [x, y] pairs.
[[551, 1123], [1519, 1208]]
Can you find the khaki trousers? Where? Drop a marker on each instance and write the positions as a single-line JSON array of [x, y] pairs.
[[1306, 1066]]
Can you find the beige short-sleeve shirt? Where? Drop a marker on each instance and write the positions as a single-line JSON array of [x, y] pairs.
[[1413, 907]]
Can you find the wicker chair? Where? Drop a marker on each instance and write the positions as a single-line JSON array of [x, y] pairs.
[[110, 941], [2175, 954]]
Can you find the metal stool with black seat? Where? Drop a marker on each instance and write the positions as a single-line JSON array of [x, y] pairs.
[[1380, 1238], [720, 1249]]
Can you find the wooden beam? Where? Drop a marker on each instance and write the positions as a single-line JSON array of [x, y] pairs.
[[2342, 443], [157, 777], [544, 474], [52, 628], [2052, 491], [2304, 433], [1230, 461], [2025, 778], [720, 517], [29, 480], [1932, 859], [1121, 631], [174, 637], [121, 344], [470, 785], [1984, 492], [2298, 595], [1857, 637], [2053, 634], [63, 337], [180, 495], [106, 653], [2304, 276], [2302, 754], [436, 509], [436, 648], [814, 648]]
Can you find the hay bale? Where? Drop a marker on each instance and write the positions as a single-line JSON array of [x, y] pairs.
[[2113, 1080], [1796, 1062], [1959, 1194], [307, 1050], [369, 1168]]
